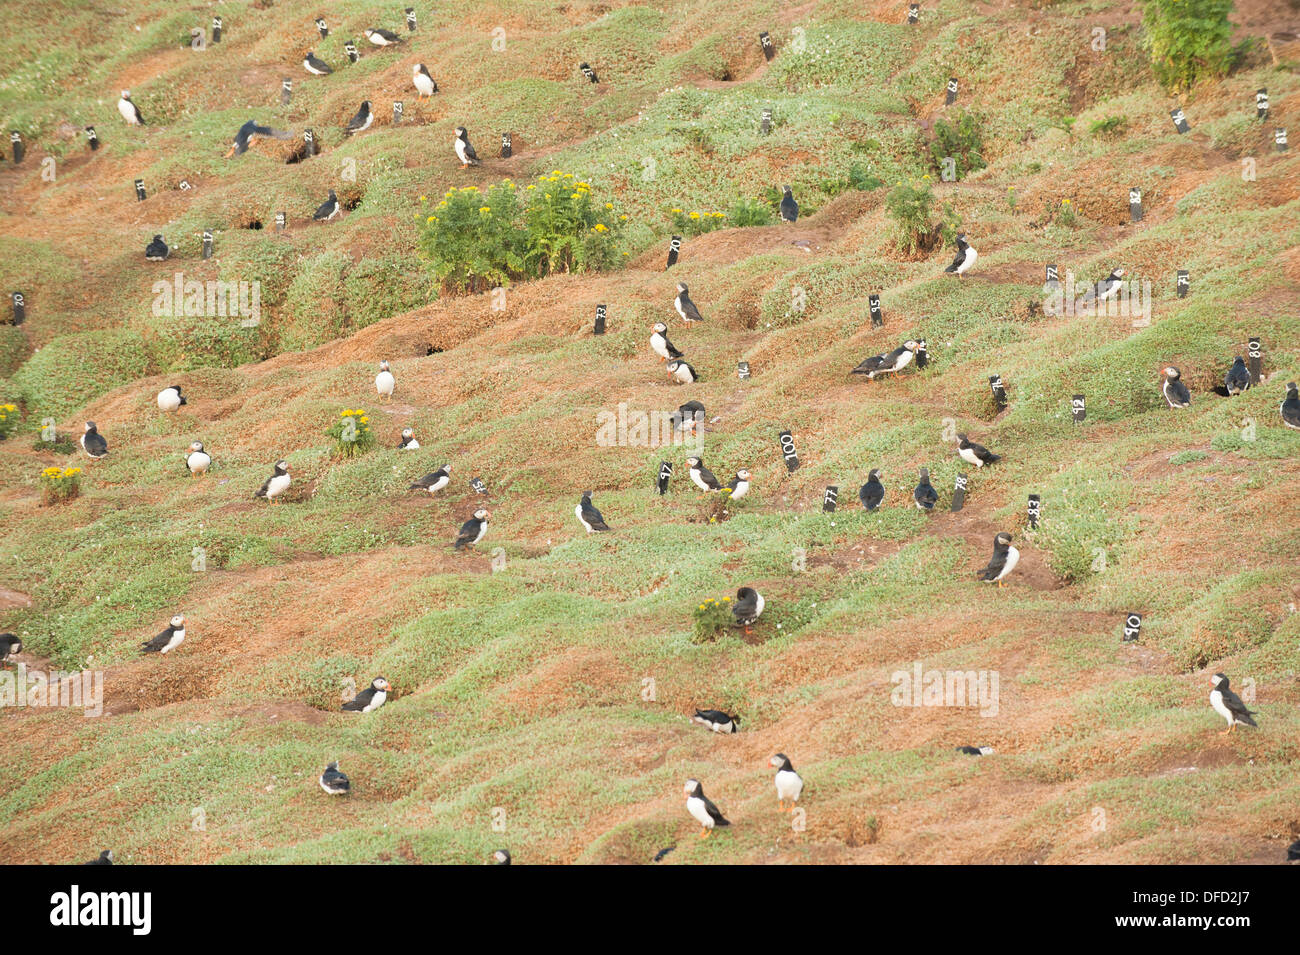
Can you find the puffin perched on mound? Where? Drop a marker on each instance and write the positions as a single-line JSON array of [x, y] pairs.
[[198, 460], [425, 85], [369, 699], [105, 858], [966, 256], [501, 857], [685, 307], [434, 481], [872, 494], [888, 363], [1174, 390], [408, 442], [1290, 407], [327, 209], [93, 443], [464, 150], [682, 373], [701, 476], [334, 782], [925, 495], [1003, 562], [1236, 380], [169, 639], [588, 516], [277, 483], [170, 398], [661, 345], [702, 809], [130, 112], [472, 531], [315, 66], [1229, 705], [747, 608], [382, 37], [717, 720], [361, 121], [739, 485], [157, 250], [384, 381], [789, 209], [975, 454]]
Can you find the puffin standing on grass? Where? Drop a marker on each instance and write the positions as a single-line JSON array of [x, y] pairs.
[[682, 372], [382, 37], [316, 67], [717, 720], [747, 608], [1003, 562], [1175, 391], [661, 345], [472, 531], [689, 416], [93, 443], [464, 151], [739, 485], [334, 782], [701, 476], [277, 483], [384, 381], [685, 307], [130, 112], [702, 809], [925, 495], [1106, 288], [588, 516], [1236, 380], [789, 209], [889, 363], [369, 699], [408, 442], [170, 398], [169, 639], [975, 454], [872, 494], [966, 256], [198, 460], [434, 481], [328, 209], [157, 250], [361, 121], [425, 85], [1290, 407], [789, 784], [1229, 705]]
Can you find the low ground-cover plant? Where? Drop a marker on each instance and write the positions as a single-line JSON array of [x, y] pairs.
[[712, 617]]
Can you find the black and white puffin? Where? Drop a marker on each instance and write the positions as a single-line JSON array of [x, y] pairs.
[[1106, 288], [105, 858], [361, 121], [93, 443], [382, 37], [1003, 562], [1236, 380], [317, 67], [660, 343], [682, 372], [717, 720], [872, 494], [130, 112], [739, 485], [702, 809], [789, 208], [328, 209], [701, 476], [169, 639], [685, 307], [384, 381], [472, 531], [689, 417], [434, 481], [975, 750], [966, 256], [198, 460], [170, 398], [588, 516], [1229, 705], [157, 250], [747, 607], [975, 454], [334, 782], [789, 784], [277, 483], [1175, 391], [248, 132], [1290, 407], [501, 857], [925, 495], [891, 362], [464, 151], [408, 442], [10, 646], [425, 85], [369, 699]]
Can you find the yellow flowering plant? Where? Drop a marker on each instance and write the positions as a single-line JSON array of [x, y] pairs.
[[60, 484], [711, 617], [9, 419], [351, 433], [696, 222]]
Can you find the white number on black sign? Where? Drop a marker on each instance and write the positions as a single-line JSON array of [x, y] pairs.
[[1132, 626]]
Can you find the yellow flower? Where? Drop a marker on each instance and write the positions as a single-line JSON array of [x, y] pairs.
[[430, 219], [484, 208], [365, 420], [609, 205], [531, 186], [695, 215], [623, 218], [677, 210]]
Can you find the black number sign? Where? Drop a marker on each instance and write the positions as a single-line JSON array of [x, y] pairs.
[[600, 320], [1279, 137], [665, 472], [92, 137], [1180, 121], [1132, 627], [588, 72], [507, 147], [216, 29], [959, 492], [1261, 103], [1078, 409], [788, 452], [742, 370], [184, 185], [398, 108], [20, 308], [951, 91], [765, 122], [877, 316], [913, 12], [280, 221], [20, 150], [286, 91], [830, 498], [350, 51], [1053, 278], [1035, 507], [139, 190], [768, 50], [478, 485], [674, 247], [999, 390], [309, 141], [320, 25], [410, 19], [207, 243], [1184, 282], [1255, 359], [1135, 204]]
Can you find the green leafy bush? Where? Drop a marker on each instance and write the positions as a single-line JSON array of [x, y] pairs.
[[351, 433], [911, 208], [962, 140], [1110, 126], [749, 212], [696, 223], [60, 484], [9, 419], [1189, 40]]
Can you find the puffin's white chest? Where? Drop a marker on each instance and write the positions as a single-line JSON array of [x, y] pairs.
[[699, 481], [198, 462], [742, 488], [376, 701], [683, 374], [385, 382], [971, 256], [695, 806], [423, 84], [788, 785], [178, 637], [1013, 558], [460, 150], [127, 109], [411, 445], [279, 484], [659, 344], [1216, 701], [168, 400], [968, 455]]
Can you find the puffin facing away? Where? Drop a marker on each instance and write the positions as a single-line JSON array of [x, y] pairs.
[[682, 373], [105, 858], [789, 784], [334, 782], [130, 112], [434, 481], [685, 307], [464, 151], [1290, 407], [169, 639], [425, 85], [277, 483], [472, 531], [717, 720], [316, 66], [747, 608], [1175, 391], [1003, 562], [660, 343], [891, 362], [157, 251], [361, 121], [739, 485], [872, 494], [925, 495], [328, 209], [384, 381], [702, 809], [10, 646], [789, 208], [198, 460], [975, 454], [170, 398], [93, 443], [966, 256], [408, 442], [1236, 380], [588, 516], [1229, 705], [369, 699], [701, 476], [382, 37]]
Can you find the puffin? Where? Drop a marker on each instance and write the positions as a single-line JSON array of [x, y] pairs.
[[682, 372], [1236, 380], [198, 461], [685, 307], [1175, 391], [701, 476], [464, 151], [1229, 705], [717, 720], [888, 363], [747, 607], [246, 134], [1106, 288], [328, 209], [361, 121], [789, 208], [382, 37], [588, 516], [660, 343], [315, 66], [334, 782], [369, 699], [472, 531], [975, 454], [157, 251], [501, 857], [689, 416], [425, 85], [966, 256], [408, 442], [10, 646], [702, 809], [277, 483], [130, 112], [925, 495], [384, 381], [789, 784], [169, 639], [105, 858], [975, 750], [170, 398], [1290, 407], [93, 443], [1003, 562], [739, 485], [872, 494], [434, 481]]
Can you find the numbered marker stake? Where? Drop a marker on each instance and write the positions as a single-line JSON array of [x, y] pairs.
[[742, 370], [600, 320], [1132, 627], [788, 452], [1034, 509], [665, 472], [769, 50], [674, 247], [20, 308], [959, 492], [830, 498], [507, 148], [877, 316], [1078, 409], [1135, 204], [1184, 282]]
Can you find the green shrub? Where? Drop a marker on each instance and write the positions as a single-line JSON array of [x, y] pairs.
[[351, 433], [60, 484], [696, 223], [962, 140], [1110, 126], [911, 207], [749, 212], [1189, 40], [9, 419]]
